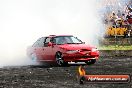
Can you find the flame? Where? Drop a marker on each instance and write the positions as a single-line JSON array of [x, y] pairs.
[[81, 71]]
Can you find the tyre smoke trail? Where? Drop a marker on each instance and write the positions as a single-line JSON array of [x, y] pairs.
[[24, 21]]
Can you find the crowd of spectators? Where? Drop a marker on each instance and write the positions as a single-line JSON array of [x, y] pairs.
[[120, 19]]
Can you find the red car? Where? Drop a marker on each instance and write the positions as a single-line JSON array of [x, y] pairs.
[[62, 49]]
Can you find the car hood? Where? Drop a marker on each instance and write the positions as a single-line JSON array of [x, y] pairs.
[[76, 46]]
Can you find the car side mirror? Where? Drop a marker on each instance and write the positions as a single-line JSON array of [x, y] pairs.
[[50, 44]]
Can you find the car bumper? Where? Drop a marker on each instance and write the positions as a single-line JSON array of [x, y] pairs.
[[78, 57]]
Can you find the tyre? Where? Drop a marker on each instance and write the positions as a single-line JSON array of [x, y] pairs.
[[91, 61], [34, 57], [59, 59]]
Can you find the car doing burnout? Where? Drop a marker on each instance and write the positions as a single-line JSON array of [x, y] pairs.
[[62, 49]]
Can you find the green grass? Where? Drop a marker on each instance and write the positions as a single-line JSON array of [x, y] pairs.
[[115, 47]]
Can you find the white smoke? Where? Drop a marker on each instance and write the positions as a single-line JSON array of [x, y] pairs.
[[22, 22]]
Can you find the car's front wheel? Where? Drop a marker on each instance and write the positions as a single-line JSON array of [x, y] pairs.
[[59, 59], [91, 61]]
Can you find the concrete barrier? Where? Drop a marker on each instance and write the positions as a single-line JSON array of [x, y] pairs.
[[113, 41], [116, 53]]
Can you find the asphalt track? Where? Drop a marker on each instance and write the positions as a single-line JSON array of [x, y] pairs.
[[64, 77]]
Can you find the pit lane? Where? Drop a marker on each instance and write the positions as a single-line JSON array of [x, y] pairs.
[[64, 77]]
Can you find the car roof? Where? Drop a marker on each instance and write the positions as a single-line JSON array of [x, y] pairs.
[[58, 35]]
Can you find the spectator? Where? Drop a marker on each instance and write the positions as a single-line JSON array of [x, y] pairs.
[[124, 20], [119, 14], [123, 17], [113, 18], [129, 18], [118, 22], [129, 33]]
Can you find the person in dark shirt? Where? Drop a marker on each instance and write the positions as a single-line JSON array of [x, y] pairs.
[[129, 18]]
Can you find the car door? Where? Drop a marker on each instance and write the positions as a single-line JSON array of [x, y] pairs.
[[36, 49], [40, 49], [48, 50]]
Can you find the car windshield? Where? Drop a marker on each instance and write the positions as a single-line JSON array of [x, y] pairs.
[[66, 40]]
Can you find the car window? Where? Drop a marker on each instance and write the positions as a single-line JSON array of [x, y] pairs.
[[36, 44], [47, 40], [66, 40], [53, 40], [41, 42]]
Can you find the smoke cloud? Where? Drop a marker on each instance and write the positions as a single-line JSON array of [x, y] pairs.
[[22, 22]]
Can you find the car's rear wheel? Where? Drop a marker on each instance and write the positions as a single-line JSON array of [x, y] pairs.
[[91, 61], [37, 62], [59, 59], [34, 57]]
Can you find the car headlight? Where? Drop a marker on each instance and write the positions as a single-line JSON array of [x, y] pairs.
[[94, 49], [72, 51]]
